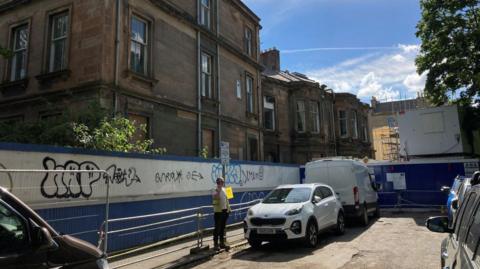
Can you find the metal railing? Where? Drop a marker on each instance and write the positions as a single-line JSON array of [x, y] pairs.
[[175, 218]]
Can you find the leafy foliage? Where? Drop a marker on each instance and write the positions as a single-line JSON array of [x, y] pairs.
[[5, 53], [450, 50], [114, 134], [91, 128]]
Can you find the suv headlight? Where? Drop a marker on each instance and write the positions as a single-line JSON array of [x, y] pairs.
[[294, 211]]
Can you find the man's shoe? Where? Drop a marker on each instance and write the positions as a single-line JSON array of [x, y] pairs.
[[216, 247], [224, 246]]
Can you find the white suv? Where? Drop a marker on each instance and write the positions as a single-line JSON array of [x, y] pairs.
[[297, 211]]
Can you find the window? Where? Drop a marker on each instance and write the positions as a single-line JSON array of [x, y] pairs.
[[326, 192], [464, 216], [249, 85], [138, 45], [206, 75], [248, 41], [59, 24], [208, 143], [142, 127], [269, 112], [365, 130], [205, 13], [239, 89], [315, 117], [474, 232], [342, 118], [300, 116], [19, 47], [355, 124], [252, 149], [13, 235]]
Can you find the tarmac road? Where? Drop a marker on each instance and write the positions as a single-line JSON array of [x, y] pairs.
[[396, 240]]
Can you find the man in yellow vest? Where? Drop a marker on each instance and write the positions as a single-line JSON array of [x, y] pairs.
[[221, 208]]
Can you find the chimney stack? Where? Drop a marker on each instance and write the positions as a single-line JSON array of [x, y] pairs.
[[271, 60]]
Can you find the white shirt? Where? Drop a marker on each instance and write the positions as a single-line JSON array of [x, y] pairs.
[[222, 195]]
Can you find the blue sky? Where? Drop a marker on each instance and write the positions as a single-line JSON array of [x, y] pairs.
[[366, 47]]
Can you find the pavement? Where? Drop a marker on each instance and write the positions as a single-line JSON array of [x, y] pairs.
[[175, 254], [396, 240]]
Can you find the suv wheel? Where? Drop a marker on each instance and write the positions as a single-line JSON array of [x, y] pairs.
[[364, 216], [311, 235], [340, 228], [255, 243]]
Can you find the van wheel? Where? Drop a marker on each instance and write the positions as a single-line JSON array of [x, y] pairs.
[[364, 216], [255, 244], [340, 228], [311, 235]]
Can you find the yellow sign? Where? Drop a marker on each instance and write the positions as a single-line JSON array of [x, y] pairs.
[[229, 192]]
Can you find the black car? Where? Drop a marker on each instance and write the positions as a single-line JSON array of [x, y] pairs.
[[461, 248], [27, 241]]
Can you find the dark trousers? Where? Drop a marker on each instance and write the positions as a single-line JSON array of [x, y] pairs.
[[220, 223]]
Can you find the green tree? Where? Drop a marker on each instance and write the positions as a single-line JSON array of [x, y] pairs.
[[450, 50]]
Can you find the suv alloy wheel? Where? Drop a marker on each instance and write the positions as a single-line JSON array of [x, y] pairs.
[[311, 235]]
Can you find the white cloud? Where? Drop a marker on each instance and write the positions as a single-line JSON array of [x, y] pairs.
[[386, 75]]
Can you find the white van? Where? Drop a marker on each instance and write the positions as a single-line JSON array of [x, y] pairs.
[[352, 183]]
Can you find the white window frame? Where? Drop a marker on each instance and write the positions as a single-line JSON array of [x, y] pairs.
[[269, 106], [238, 89], [143, 45], [249, 91], [248, 41], [300, 116], [53, 40], [17, 51], [205, 13], [342, 120], [315, 116], [206, 88]]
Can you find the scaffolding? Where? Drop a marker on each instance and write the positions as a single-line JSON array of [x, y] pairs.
[[391, 144]]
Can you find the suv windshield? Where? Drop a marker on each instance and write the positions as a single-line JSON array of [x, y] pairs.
[[288, 195]]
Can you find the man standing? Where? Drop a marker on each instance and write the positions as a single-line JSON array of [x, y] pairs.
[[221, 208]]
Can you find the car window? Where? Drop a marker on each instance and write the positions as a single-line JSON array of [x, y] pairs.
[[318, 192], [13, 236], [326, 192], [464, 224], [458, 220], [473, 232]]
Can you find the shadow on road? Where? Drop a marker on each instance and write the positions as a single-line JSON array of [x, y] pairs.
[[419, 217]]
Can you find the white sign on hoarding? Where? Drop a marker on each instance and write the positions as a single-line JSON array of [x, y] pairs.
[[225, 152], [398, 180]]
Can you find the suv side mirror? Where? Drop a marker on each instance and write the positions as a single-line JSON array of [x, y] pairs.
[[438, 224], [316, 199], [445, 189], [42, 239]]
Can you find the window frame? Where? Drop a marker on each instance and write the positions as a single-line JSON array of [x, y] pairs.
[[265, 108], [50, 65], [341, 120], [206, 93], [300, 113], [315, 116], [248, 40], [11, 43], [205, 21], [249, 93], [249, 148], [146, 44]]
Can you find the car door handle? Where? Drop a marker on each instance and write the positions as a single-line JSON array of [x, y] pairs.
[[326, 204]]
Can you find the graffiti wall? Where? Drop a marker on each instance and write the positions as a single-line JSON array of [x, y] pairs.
[[129, 176]]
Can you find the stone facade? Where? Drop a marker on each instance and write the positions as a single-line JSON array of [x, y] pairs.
[[103, 54], [302, 128], [352, 133]]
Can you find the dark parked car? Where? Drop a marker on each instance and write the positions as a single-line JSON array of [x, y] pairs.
[[461, 248], [27, 241]]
